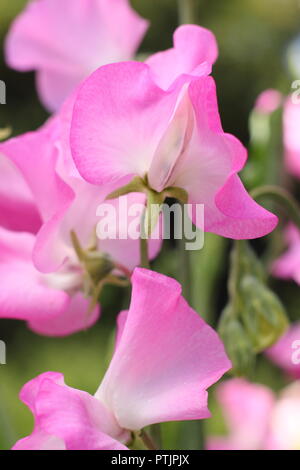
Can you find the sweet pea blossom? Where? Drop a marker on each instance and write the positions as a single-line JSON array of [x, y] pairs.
[[268, 101], [166, 357], [125, 125], [286, 352], [256, 420], [56, 297], [65, 42], [291, 139]]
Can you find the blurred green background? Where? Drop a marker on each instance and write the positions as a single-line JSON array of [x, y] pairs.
[[253, 36]]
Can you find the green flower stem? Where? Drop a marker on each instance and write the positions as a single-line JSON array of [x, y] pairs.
[[186, 11], [147, 440], [144, 256], [282, 198]]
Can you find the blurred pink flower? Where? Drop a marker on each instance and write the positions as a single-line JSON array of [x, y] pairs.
[[65, 43], [286, 352], [256, 420], [291, 136], [125, 125], [287, 266], [165, 359], [268, 101]]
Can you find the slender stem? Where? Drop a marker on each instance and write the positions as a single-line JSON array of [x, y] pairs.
[[147, 440], [185, 270], [186, 11], [283, 198], [144, 253]]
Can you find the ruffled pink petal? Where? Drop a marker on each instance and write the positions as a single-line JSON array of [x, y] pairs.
[[195, 50], [66, 48], [165, 360], [67, 418], [208, 171]]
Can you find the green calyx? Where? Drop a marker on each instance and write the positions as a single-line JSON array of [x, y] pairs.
[[254, 318], [154, 200], [97, 270]]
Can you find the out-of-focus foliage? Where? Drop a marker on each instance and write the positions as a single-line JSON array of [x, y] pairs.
[[253, 36]]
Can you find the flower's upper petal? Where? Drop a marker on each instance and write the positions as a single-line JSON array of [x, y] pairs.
[[195, 50], [119, 117], [165, 360], [18, 210], [283, 351], [67, 418], [67, 47], [247, 409], [208, 171], [24, 293]]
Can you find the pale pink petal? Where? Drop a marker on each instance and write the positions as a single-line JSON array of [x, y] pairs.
[[165, 360], [18, 210], [195, 50], [286, 352], [66, 48]]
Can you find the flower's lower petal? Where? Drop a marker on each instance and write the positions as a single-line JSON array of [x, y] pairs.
[[24, 293], [69, 417], [73, 319]]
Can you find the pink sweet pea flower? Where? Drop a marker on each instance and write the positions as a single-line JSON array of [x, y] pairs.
[[165, 359], [291, 137], [286, 352], [65, 43], [124, 125], [65, 203], [287, 266], [256, 420]]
